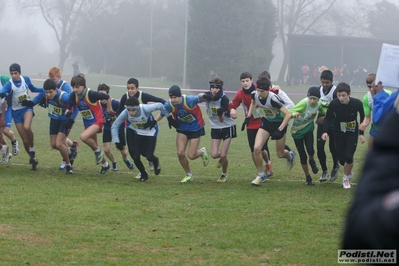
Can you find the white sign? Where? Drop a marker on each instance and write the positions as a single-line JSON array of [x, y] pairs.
[[388, 66]]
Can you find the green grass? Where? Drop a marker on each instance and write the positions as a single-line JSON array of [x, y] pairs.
[[48, 218]]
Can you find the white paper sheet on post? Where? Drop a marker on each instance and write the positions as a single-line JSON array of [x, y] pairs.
[[388, 66]]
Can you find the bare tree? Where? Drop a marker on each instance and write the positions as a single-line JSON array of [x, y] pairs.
[[299, 17], [63, 17]]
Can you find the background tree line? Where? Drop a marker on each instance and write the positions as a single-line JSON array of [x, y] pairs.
[[147, 38]]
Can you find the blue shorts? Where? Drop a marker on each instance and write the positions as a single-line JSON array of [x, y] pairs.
[[18, 115], [57, 126], [8, 117]]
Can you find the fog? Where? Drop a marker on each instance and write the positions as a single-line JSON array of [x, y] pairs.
[[36, 60]]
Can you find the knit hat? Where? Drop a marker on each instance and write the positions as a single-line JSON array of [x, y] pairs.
[[15, 67], [314, 92], [174, 91]]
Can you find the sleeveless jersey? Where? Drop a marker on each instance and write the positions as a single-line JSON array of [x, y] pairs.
[[212, 111], [137, 123]]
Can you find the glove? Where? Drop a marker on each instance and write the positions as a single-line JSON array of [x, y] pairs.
[[150, 124], [245, 123], [27, 103], [43, 103], [119, 146], [207, 96], [3, 95], [68, 115], [108, 118], [277, 134], [69, 123], [172, 122]]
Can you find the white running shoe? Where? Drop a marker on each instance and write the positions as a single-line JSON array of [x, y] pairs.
[[151, 166], [345, 183]]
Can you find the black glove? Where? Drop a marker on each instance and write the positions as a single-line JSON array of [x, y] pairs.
[[68, 115], [172, 122], [207, 96], [150, 124], [220, 112], [277, 134], [69, 123], [108, 118], [245, 123], [43, 103], [27, 103], [3, 95], [119, 146]]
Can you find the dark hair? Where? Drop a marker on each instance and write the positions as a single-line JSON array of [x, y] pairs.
[[343, 87], [327, 74], [216, 81], [78, 80], [263, 84], [133, 81], [132, 101], [245, 75], [103, 87], [49, 84], [265, 74]]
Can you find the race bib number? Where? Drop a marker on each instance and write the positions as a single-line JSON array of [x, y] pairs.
[[87, 114], [214, 110], [348, 126], [187, 118], [140, 125], [54, 110], [22, 97]]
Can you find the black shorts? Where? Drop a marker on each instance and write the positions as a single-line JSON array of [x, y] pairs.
[[58, 126], [251, 135], [224, 133], [271, 127], [193, 134], [107, 136]]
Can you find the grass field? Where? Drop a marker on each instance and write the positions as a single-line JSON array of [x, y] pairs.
[[48, 218]]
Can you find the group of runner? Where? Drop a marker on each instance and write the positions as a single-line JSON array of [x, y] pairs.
[[130, 124]]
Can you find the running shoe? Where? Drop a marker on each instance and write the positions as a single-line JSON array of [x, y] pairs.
[[68, 170], [314, 167], [291, 160], [269, 169], [345, 183], [222, 178], [186, 179], [104, 169], [258, 180], [309, 181], [115, 166], [15, 149], [204, 156], [157, 168], [151, 166], [62, 166], [334, 173], [129, 164], [99, 156], [324, 176]]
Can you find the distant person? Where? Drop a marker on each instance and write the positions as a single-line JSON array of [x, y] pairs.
[[305, 73], [327, 94], [76, 70], [368, 104], [343, 111], [223, 127], [22, 115]]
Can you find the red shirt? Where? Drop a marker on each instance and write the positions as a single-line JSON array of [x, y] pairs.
[[245, 99]]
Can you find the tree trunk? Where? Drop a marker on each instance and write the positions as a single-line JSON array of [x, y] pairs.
[[283, 69]]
